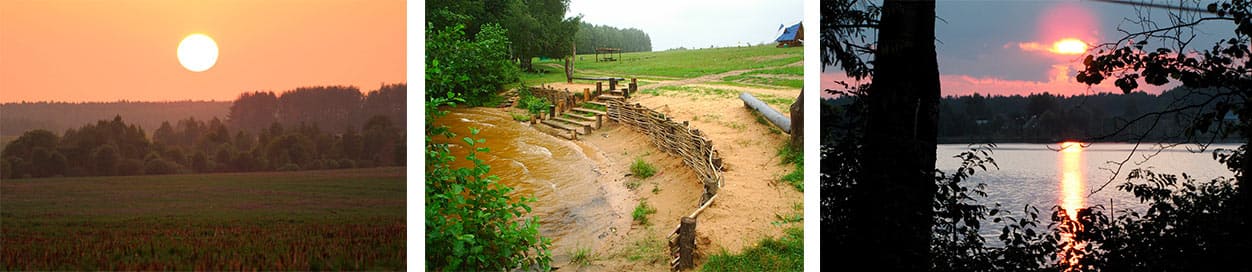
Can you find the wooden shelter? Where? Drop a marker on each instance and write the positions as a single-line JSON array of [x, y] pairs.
[[608, 52]]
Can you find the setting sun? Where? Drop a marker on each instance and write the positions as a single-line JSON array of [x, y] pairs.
[[1069, 46], [197, 52]]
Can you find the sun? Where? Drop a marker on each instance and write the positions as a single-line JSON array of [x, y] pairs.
[[197, 52], [1069, 46]]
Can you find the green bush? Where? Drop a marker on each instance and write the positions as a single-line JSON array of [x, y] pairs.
[[473, 223], [475, 70], [642, 169], [642, 211], [532, 103]]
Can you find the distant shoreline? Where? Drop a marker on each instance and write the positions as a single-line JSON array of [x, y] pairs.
[[973, 140]]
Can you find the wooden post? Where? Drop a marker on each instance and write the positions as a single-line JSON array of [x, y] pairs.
[[586, 94], [599, 87], [686, 243], [551, 111], [797, 123], [634, 86], [612, 83], [599, 121]]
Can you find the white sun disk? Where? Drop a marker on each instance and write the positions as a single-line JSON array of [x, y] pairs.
[[197, 52]]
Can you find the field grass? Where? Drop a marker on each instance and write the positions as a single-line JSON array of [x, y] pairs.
[[673, 64], [782, 254], [312, 220]]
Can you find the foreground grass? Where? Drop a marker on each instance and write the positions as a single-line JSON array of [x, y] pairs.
[[675, 63], [312, 220], [783, 254]]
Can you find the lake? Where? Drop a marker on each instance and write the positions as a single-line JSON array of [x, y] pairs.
[[1046, 175]]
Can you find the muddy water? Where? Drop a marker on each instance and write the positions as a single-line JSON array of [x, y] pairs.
[[574, 209]]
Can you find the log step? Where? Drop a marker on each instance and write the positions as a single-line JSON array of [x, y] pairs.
[[567, 124], [581, 117], [609, 96], [602, 104], [590, 111]]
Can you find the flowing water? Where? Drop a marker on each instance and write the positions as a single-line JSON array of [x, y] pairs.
[[573, 209]]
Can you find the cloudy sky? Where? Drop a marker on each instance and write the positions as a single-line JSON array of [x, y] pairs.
[[694, 23], [1006, 47]]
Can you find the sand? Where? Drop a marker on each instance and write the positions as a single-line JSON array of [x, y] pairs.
[[751, 201], [752, 198]]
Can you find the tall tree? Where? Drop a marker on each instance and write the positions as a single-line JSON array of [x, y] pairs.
[[890, 203], [893, 210]]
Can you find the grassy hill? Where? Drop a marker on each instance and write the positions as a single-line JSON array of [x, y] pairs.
[[770, 66]]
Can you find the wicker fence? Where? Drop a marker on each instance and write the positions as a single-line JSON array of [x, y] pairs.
[[675, 138]]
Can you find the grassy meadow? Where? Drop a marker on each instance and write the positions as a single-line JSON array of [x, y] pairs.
[[768, 62], [309, 220]]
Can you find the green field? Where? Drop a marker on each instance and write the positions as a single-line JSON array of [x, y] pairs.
[[310, 220], [677, 64]]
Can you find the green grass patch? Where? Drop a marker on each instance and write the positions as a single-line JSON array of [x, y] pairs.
[[794, 157], [648, 249], [673, 63], [796, 217], [582, 256], [642, 169], [642, 211], [782, 254], [593, 106], [520, 117], [761, 81], [350, 219]]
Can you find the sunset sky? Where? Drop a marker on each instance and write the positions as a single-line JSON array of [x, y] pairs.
[[1006, 47], [126, 50]]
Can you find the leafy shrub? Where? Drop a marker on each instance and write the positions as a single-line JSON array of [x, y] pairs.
[[475, 70], [642, 211], [642, 169], [472, 221]]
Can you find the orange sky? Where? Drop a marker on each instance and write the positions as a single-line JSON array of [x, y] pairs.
[[126, 50]]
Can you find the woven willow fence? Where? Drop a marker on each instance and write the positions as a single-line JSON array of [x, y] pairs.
[[675, 138], [696, 152]]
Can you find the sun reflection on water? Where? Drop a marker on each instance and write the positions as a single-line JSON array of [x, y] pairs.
[[1073, 182]]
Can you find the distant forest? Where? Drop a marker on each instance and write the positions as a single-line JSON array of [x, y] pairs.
[[60, 116], [324, 127], [1046, 117], [590, 37]]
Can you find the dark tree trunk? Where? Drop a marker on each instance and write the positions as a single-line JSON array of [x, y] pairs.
[[524, 63], [892, 201]]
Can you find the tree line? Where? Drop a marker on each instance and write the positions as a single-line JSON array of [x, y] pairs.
[[534, 28], [591, 36], [60, 116], [1046, 117], [114, 147]]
